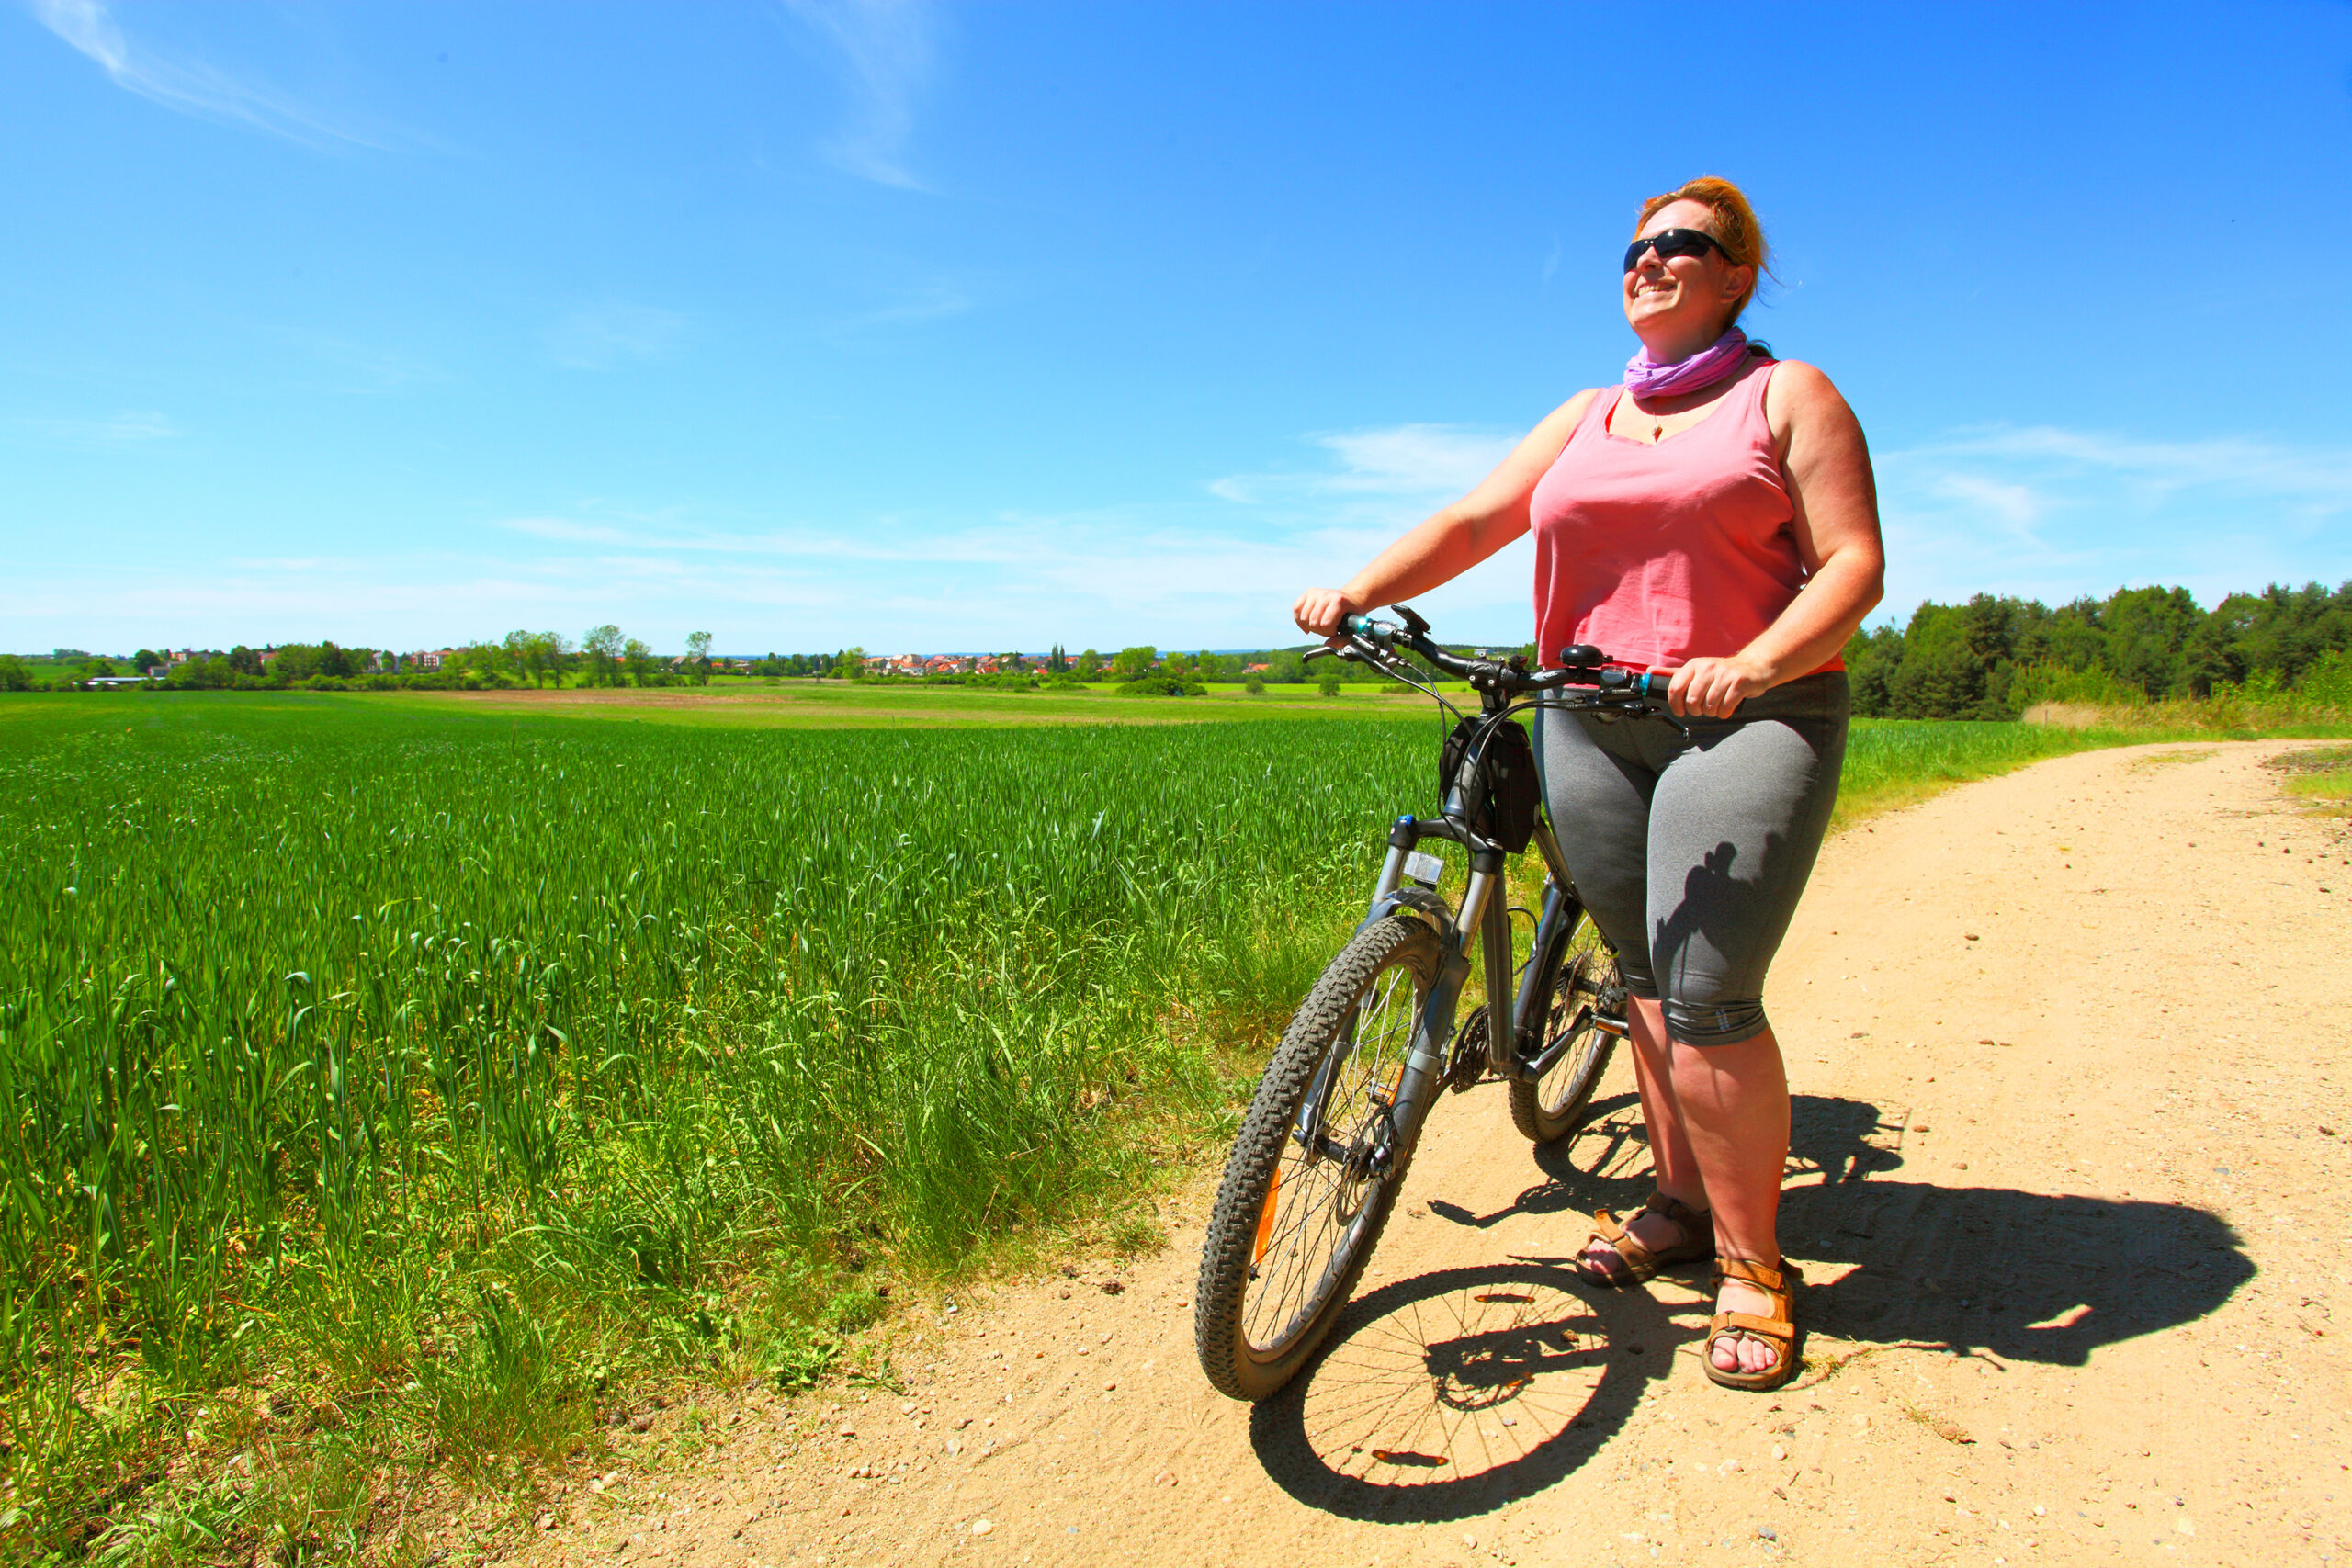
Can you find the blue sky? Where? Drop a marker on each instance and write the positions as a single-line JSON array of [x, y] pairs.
[[927, 327]]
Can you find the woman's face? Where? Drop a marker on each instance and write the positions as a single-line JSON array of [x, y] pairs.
[[1683, 299]]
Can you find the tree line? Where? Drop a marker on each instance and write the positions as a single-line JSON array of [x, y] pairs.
[[1995, 657], [1991, 657], [603, 656]]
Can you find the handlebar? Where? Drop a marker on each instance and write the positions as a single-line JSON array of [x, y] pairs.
[[1581, 665]]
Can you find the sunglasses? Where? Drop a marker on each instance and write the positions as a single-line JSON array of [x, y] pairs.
[[1672, 243]]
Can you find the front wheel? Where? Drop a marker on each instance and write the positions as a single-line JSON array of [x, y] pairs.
[[1316, 1166]]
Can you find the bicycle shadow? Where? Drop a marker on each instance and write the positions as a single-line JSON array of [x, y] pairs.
[[1387, 1424], [1443, 1396]]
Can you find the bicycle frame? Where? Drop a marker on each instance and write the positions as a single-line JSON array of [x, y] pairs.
[[1483, 923], [1483, 919]]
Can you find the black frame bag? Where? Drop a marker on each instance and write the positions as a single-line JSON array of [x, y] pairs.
[[1501, 789]]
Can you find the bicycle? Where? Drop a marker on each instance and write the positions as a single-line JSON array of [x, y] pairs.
[[1339, 1112]]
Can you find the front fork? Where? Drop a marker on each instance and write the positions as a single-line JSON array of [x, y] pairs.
[[1483, 920]]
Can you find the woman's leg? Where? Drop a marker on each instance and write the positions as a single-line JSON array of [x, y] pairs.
[[1733, 1103], [1676, 1168], [1735, 822]]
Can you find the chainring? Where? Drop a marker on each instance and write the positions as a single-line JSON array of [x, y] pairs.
[[1468, 1065]]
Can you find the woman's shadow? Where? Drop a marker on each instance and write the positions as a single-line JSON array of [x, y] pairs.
[[1439, 1397], [2030, 1275]]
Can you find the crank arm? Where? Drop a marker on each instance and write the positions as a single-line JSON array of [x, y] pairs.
[[1530, 1069]]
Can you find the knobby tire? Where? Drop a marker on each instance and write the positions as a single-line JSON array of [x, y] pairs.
[[1404, 947]]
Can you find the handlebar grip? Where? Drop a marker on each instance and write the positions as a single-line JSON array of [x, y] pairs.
[[1355, 625], [1655, 683]]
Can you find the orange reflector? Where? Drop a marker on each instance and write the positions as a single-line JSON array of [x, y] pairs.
[[1266, 1218]]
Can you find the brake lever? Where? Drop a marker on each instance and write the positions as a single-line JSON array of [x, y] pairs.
[[1355, 650], [1612, 705], [1641, 706]]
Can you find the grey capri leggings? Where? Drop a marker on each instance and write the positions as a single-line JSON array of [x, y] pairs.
[[1691, 851]]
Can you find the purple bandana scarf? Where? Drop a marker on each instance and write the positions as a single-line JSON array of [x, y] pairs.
[[1646, 378]]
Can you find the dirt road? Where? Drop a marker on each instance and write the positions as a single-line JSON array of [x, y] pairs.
[[2067, 1181]]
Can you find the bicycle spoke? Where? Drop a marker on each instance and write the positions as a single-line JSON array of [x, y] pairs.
[[1302, 1265], [1568, 1069], [1321, 1200]]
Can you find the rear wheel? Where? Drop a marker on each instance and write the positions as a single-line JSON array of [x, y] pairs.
[[1314, 1171], [1549, 1109]]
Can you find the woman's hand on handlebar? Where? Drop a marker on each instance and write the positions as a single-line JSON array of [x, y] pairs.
[[1320, 610], [1713, 688]]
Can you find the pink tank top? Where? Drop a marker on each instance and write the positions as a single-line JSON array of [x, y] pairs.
[[1658, 554]]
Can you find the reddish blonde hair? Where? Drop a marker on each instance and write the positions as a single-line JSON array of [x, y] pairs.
[[1735, 226]]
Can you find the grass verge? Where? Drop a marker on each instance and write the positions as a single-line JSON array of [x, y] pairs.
[[1891, 763], [2322, 776]]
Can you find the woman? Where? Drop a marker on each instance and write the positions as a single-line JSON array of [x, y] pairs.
[[1715, 516]]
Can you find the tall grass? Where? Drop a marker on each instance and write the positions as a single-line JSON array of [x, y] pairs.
[[2320, 703], [455, 1068]]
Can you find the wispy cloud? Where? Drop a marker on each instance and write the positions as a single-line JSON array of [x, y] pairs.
[[2046, 513], [883, 51], [1288, 529], [191, 87], [564, 531], [2014, 506], [128, 428], [1415, 459], [932, 304], [2309, 477], [1416, 464], [2053, 512], [878, 543], [1197, 573], [601, 336], [372, 367]]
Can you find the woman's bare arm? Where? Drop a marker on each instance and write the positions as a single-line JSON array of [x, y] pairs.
[[1454, 539], [1828, 465]]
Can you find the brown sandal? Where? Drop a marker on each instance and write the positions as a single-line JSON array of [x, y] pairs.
[[1638, 1262], [1780, 1330]]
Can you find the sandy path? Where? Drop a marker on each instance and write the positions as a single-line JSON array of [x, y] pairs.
[[2076, 1246]]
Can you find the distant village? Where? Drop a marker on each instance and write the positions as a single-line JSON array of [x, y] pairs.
[[427, 661], [1012, 664], [432, 660]]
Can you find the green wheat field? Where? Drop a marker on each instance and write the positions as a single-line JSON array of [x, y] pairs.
[[407, 1075]]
